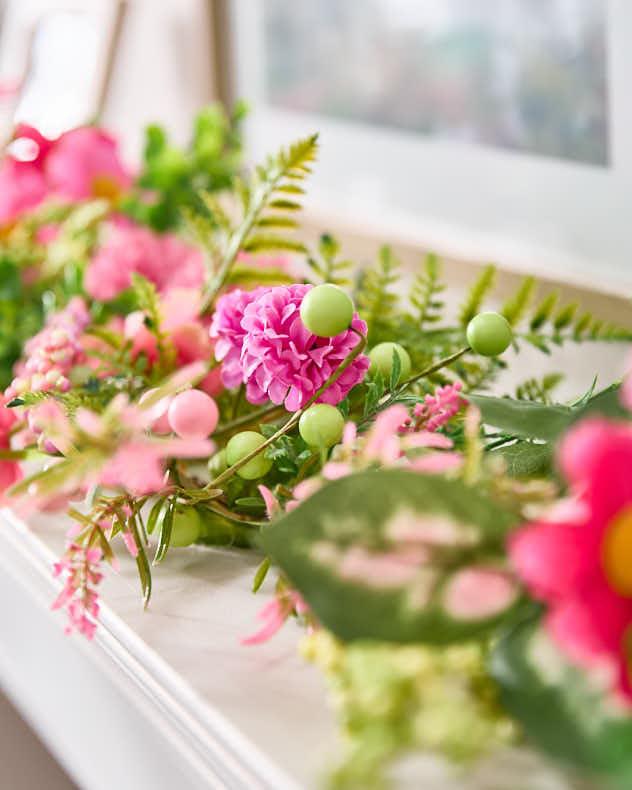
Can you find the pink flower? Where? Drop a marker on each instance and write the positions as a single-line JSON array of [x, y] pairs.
[[10, 471], [438, 409], [81, 164], [282, 361], [80, 570], [85, 163], [22, 187], [54, 351], [581, 566], [164, 260], [226, 327], [275, 613]]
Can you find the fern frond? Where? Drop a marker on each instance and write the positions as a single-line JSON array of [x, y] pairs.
[[147, 298], [267, 190], [425, 291], [539, 391], [544, 311], [270, 243], [565, 316], [516, 306], [375, 298], [477, 293], [328, 267]]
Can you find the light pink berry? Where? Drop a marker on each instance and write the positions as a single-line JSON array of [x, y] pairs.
[[193, 414], [161, 424]]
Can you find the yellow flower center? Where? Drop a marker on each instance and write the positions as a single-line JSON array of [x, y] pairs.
[[616, 552], [105, 187]]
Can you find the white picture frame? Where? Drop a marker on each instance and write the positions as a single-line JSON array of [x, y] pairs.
[[554, 217]]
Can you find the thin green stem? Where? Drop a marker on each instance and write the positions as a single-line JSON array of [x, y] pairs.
[[295, 417], [237, 239], [437, 366], [247, 419]]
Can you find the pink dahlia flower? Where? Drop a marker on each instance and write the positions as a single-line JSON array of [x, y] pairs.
[[226, 327], [163, 259], [279, 359], [84, 163], [580, 561]]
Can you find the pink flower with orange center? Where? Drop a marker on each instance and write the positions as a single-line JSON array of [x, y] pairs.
[[580, 561]]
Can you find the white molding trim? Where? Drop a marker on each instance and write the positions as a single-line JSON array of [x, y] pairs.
[[163, 735]]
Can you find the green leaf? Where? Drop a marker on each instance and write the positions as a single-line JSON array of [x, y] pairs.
[[260, 575], [522, 417], [164, 538], [152, 519], [477, 293], [526, 459], [559, 709], [544, 311], [396, 370], [425, 292], [335, 546], [517, 304], [271, 243]]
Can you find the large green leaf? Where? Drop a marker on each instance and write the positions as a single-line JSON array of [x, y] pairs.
[[523, 417], [558, 707], [532, 420], [525, 459], [386, 554]]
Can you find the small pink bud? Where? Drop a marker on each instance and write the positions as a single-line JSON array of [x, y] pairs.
[[58, 338], [193, 414]]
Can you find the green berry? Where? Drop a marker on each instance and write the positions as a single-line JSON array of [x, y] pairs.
[[489, 334], [326, 310], [241, 445], [381, 357], [321, 425], [186, 526], [217, 463]]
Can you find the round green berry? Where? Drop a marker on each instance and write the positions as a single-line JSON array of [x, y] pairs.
[[186, 526], [489, 334], [381, 357], [326, 310], [241, 445], [321, 425], [217, 463]]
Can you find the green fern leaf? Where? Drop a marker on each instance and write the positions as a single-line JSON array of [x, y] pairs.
[[544, 311], [516, 306], [269, 243], [375, 298], [477, 293], [565, 316], [425, 292]]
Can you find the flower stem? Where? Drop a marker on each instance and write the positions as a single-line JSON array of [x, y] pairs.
[[357, 349]]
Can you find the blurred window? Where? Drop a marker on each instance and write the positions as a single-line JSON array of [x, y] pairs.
[[525, 75]]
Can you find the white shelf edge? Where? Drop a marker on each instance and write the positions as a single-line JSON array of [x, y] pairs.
[[210, 749]]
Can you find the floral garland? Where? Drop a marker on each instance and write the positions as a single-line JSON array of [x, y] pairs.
[[461, 562]]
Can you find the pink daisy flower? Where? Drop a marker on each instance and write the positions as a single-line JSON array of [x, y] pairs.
[[579, 562]]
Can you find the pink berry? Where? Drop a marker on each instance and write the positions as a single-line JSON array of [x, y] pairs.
[[193, 414], [159, 409]]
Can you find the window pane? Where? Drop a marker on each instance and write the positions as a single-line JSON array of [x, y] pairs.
[[527, 75]]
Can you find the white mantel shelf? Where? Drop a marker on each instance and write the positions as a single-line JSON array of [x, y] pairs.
[[168, 699]]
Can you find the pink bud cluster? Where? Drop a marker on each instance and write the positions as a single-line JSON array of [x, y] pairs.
[[438, 409], [53, 352], [80, 568]]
